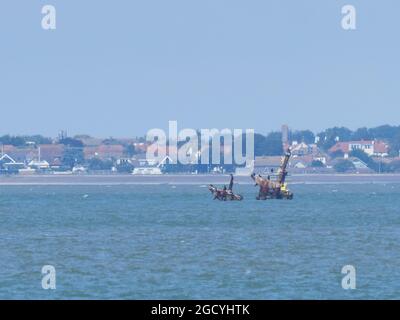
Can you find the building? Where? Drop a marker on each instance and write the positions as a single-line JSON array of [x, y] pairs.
[[266, 164], [5, 158], [301, 149], [104, 151], [9, 165], [247, 170], [147, 171], [51, 152], [39, 164], [370, 147], [48, 152]]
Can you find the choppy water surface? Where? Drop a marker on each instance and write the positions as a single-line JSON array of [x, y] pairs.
[[174, 242]]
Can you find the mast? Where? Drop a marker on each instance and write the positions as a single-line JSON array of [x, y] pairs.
[[282, 169]]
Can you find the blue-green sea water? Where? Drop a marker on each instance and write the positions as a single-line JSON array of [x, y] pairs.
[[175, 242]]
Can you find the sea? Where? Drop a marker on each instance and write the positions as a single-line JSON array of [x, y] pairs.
[[167, 241]]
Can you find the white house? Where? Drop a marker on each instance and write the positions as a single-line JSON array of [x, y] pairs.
[[42, 164]]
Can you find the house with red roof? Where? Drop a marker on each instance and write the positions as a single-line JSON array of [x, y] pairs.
[[370, 147]]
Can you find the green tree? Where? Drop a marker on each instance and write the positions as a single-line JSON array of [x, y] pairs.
[[344, 166], [337, 154], [385, 132], [72, 156], [71, 142], [73, 153], [360, 154], [362, 134], [305, 136], [130, 150], [317, 164], [19, 141], [394, 166], [270, 145], [328, 137], [394, 145], [98, 164], [125, 167]]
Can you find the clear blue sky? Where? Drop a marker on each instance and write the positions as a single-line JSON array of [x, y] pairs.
[[122, 67]]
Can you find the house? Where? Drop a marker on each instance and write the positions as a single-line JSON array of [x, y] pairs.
[[104, 151], [266, 164], [301, 149], [139, 160], [5, 158], [20, 154], [300, 165], [320, 158], [39, 164], [358, 164], [140, 147], [147, 171], [9, 165], [370, 147], [79, 169], [51, 152], [166, 161], [48, 152], [381, 149]]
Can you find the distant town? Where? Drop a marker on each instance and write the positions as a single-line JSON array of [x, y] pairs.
[[334, 150]]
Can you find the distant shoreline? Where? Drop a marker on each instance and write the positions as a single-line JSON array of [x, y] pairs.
[[200, 179]]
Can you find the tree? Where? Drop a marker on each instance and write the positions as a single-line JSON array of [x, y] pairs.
[[72, 156], [270, 145], [394, 145], [384, 132], [362, 134], [317, 164], [98, 164], [19, 141], [394, 166], [111, 141], [73, 153], [71, 142], [337, 154], [260, 145], [125, 167], [360, 154], [130, 150], [328, 137], [305, 136], [344, 166]]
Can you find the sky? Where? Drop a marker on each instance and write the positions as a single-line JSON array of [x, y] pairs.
[[120, 68]]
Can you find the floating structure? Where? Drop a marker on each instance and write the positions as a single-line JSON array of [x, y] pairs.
[[277, 189], [225, 193]]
